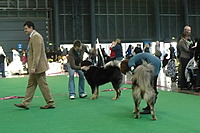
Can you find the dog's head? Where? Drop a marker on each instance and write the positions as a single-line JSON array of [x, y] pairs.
[[124, 66], [85, 65]]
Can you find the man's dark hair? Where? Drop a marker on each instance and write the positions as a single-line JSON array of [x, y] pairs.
[[29, 24], [77, 43]]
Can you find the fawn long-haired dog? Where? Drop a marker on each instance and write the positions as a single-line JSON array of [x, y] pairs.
[[142, 88], [97, 76]]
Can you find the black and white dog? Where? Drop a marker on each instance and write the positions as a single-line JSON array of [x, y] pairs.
[[97, 76]]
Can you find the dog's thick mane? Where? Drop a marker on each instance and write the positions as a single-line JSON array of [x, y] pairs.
[[142, 87], [143, 76]]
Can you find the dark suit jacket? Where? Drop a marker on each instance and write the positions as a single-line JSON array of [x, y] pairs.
[[36, 54]]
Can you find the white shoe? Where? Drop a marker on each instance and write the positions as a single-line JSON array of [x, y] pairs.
[[72, 97], [83, 95]]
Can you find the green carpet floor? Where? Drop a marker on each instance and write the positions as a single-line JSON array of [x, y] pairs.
[[176, 112]]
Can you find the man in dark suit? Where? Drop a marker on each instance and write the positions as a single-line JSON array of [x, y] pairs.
[[37, 65]]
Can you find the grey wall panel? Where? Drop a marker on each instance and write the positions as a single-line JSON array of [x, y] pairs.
[[13, 34]]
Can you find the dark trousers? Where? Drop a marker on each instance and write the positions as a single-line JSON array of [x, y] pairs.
[[155, 85], [2, 69], [156, 91], [182, 80]]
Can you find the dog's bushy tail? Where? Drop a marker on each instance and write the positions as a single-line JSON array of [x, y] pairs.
[[114, 63], [143, 76]]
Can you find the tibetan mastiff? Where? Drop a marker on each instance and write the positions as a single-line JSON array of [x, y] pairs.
[[142, 88], [97, 76]]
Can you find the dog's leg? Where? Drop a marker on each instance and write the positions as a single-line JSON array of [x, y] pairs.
[[137, 108], [95, 93], [151, 104], [116, 86]]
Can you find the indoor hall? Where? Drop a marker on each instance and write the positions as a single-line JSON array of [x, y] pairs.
[[95, 23]]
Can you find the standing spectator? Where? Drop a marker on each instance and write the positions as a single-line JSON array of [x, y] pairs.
[[147, 48], [74, 65], [138, 49], [184, 57], [157, 50], [118, 50], [172, 52], [188, 30], [197, 54], [165, 60], [101, 59], [2, 62], [24, 57], [112, 52], [37, 65], [129, 51], [64, 51]]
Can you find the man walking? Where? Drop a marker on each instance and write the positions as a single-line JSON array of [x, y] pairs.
[[37, 65]]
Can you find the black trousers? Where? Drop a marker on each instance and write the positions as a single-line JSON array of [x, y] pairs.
[[182, 79], [156, 91]]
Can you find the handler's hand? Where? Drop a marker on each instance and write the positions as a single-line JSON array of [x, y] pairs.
[[85, 68], [32, 70]]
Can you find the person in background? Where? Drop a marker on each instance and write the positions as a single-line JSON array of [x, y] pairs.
[[184, 57], [135, 61], [157, 50], [138, 49], [188, 30], [75, 58], [64, 51], [112, 52], [118, 50], [172, 52], [129, 51], [2, 62], [37, 65], [147, 48], [165, 60], [197, 54]]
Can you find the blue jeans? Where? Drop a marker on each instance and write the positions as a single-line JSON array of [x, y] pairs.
[[2, 69], [71, 84]]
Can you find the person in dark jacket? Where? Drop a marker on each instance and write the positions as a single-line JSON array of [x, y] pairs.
[[138, 49], [118, 50]]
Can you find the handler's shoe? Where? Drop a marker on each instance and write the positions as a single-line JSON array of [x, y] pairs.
[[72, 97], [146, 112], [83, 95], [21, 106]]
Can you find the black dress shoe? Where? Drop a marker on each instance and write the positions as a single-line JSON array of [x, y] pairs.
[[146, 108], [21, 106], [47, 107], [146, 112]]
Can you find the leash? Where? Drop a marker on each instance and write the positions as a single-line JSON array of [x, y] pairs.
[[114, 89], [10, 97]]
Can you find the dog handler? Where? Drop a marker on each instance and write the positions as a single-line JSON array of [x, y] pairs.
[[132, 63], [74, 65]]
